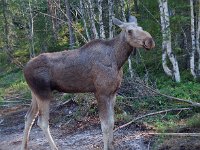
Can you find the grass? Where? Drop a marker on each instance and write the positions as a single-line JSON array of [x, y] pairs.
[[194, 121], [185, 89], [12, 84]]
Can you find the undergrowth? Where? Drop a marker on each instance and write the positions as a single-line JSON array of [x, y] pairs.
[[13, 86]]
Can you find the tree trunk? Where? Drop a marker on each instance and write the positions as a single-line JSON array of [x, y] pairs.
[[198, 38], [69, 22], [101, 26], [52, 12], [83, 16], [164, 60], [7, 31], [192, 52], [166, 45], [136, 6], [122, 3], [111, 14], [91, 15], [31, 33], [9, 35]]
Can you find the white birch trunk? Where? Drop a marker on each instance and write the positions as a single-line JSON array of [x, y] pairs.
[[122, 3], [197, 39], [192, 52], [83, 16], [166, 45], [110, 12], [94, 30], [101, 27], [164, 61]]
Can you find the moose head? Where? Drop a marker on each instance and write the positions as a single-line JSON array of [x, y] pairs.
[[134, 34]]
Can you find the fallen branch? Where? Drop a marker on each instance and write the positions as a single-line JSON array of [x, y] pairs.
[[150, 114], [176, 134], [12, 98], [60, 106], [9, 105], [63, 104], [10, 101]]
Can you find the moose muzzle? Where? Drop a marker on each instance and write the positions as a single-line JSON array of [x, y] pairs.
[[148, 43]]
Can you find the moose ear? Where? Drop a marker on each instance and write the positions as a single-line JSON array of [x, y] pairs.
[[132, 19], [117, 22]]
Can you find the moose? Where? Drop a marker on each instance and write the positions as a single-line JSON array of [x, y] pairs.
[[95, 67]]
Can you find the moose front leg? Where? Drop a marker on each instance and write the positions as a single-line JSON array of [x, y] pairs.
[[106, 114]]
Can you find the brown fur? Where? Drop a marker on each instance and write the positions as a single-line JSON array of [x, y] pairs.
[[96, 67], [78, 71]]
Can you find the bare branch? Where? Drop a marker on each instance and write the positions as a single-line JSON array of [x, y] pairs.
[[176, 134], [75, 28], [150, 114]]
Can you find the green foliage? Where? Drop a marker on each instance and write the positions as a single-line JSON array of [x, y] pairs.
[[163, 126], [12, 84], [194, 121], [187, 89], [3, 58]]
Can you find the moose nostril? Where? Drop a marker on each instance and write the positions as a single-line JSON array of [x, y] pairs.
[[149, 43]]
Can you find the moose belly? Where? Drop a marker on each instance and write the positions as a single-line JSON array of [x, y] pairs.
[[73, 84]]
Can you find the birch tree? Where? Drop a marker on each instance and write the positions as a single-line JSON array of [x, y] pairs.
[[198, 38], [91, 15], [166, 44], [122, 3], [83, 17], [31, 33], [101, 26], [111, 14], [192, 51], [52, 12]]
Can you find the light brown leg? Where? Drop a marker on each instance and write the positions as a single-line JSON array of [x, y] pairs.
[[43, 121], [29, 120], [106, 114]]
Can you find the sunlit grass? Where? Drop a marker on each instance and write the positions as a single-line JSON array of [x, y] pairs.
[[13, 85]]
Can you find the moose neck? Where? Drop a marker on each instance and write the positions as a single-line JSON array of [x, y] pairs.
[[122, 49]]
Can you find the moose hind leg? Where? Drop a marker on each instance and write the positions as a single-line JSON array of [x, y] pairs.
[[29, 120], [43, 121], [106, 114]]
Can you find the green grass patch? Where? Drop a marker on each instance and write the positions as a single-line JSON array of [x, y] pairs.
[[194, 121], [13, 84]]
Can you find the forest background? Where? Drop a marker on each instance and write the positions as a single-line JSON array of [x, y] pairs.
[[169, 72]]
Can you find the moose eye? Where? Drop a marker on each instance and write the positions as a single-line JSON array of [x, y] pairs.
[[130, 31]]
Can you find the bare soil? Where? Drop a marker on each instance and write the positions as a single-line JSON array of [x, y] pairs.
[[69, 135], [83, 133]]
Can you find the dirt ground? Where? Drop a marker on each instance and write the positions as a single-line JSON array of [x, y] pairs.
[[82, 134], [74, 135]]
